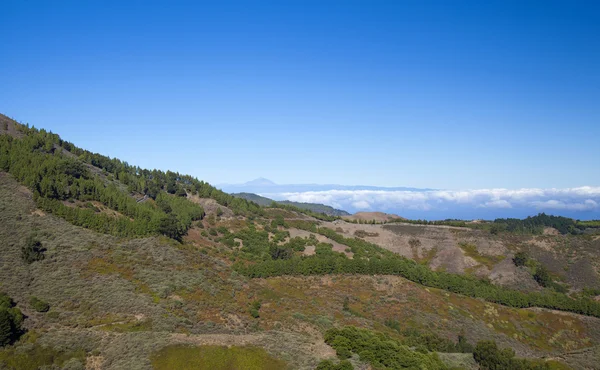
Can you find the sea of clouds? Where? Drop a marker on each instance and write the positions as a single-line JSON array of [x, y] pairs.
[[581, 202]]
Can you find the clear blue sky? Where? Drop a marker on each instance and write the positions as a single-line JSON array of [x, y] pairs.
[[441, 94]]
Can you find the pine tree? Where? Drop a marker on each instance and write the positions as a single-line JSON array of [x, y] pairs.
[[6, 327]]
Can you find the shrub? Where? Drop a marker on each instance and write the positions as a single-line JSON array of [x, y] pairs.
[[490, 357], [32, 250], [171, 227], [11, 319], [6, 330], [542, 276], [379, 350], [39, 305], [255, 308], [520, 259]]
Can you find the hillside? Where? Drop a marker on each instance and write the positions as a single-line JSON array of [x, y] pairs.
[[312, 207], [105, 265]]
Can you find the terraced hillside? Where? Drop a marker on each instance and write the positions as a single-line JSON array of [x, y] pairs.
[[139, 269]]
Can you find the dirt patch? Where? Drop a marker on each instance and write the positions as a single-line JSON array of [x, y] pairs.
[[309, 250], [506, 273], [94, 362], [550, 231], [9, 126], [38, 212]]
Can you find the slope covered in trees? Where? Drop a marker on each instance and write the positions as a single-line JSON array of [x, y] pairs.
[[59, 173]]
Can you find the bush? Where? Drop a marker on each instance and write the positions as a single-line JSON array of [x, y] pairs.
[[171, 227], [379, 350], [6, 330], [542, 276], [32, 250], [490, 357], [255, 308], [39, 305], [11, 319], [520, 259]]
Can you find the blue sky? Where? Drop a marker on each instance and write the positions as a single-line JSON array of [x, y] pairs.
[[437, 94]]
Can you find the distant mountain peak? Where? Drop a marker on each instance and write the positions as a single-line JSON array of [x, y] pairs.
[[261, 181]]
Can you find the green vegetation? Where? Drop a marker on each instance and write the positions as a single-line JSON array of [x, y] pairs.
[[536, 224], [363, 234], [11, 319], [532, 225], [371, 259], [466, 285], [34, 357], [39, 305], [520, 259], [118, 299], [39, 161], [542, 276], [379, 350], [32, 250], [255, 308], [486, 260], [490, 357], [430, 341], [214, 358], [259, 247], [540, 273]]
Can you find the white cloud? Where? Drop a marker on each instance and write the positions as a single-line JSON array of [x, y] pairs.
[[500, 203], [587, 205], [585, 198]]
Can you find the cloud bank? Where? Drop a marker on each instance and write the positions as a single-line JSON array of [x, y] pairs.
[[580, 199]]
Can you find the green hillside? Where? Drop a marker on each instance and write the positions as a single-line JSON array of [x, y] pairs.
[[105, 265]]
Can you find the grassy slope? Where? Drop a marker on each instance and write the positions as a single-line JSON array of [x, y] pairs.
[[139, 294], [214, 358]]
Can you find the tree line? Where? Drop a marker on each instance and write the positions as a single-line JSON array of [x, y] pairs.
[[384, 352]]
